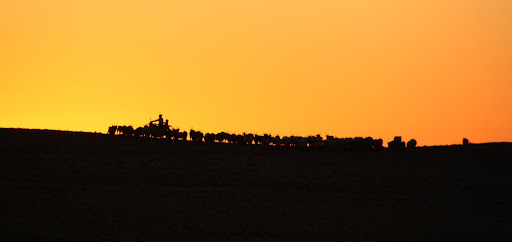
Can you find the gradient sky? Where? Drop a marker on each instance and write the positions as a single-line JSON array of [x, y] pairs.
[[433, 70]]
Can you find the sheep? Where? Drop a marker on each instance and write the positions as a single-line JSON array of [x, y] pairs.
[[182, 135], [286, 141], [196, 136], [221, 137], [343, 144], [248, 138], [358, 144], [125, 130], [258, 139], [209, 138], [398, 139], [277, 141], [238, 139], [139, 132], [465, 141], [299, 141], [397, 144], [264, 139], [267, 139], [315, 141], [411, 144], [231, 138], [154, 131], [377, 144], [172, 133], [330, 144], [112, 130]]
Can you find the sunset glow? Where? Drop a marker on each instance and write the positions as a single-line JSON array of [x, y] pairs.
[[436, 70]]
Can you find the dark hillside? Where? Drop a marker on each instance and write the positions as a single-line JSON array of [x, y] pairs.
[[60, 185]]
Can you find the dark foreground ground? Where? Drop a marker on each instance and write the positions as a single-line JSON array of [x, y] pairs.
[[78, 186]]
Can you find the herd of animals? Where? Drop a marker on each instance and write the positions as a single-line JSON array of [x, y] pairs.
[[314, 142]]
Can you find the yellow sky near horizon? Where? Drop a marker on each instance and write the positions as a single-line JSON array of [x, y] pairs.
[[436, 70]]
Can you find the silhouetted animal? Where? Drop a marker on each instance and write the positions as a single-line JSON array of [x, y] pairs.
[[361, 144], [183, 135], [235, 139], [465, 141], [330, 144], [377, 144], [266, 139], [175, 134], [411, 144], [209, 138], [315, 141], [172, 133], [299, 141], [125, 130], [222, 137], [162, 130], [397, 144], [139, 132], [286, 141], [112, 130], [240, 139], [277, 141], [196, 136], [257, 139], [248, 138], [155, 131]]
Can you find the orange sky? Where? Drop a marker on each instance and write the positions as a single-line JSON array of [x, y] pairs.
[[433, 70]]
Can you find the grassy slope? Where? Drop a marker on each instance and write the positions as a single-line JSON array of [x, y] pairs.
[[82, 186]]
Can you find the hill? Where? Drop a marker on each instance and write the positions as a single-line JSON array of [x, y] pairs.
[[61, 185]]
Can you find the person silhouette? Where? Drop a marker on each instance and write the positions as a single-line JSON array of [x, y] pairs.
[[160, 120]]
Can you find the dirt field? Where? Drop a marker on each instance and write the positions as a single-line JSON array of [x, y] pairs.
[[81, 186]]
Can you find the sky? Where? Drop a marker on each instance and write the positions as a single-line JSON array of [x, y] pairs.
[[437, 71]]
